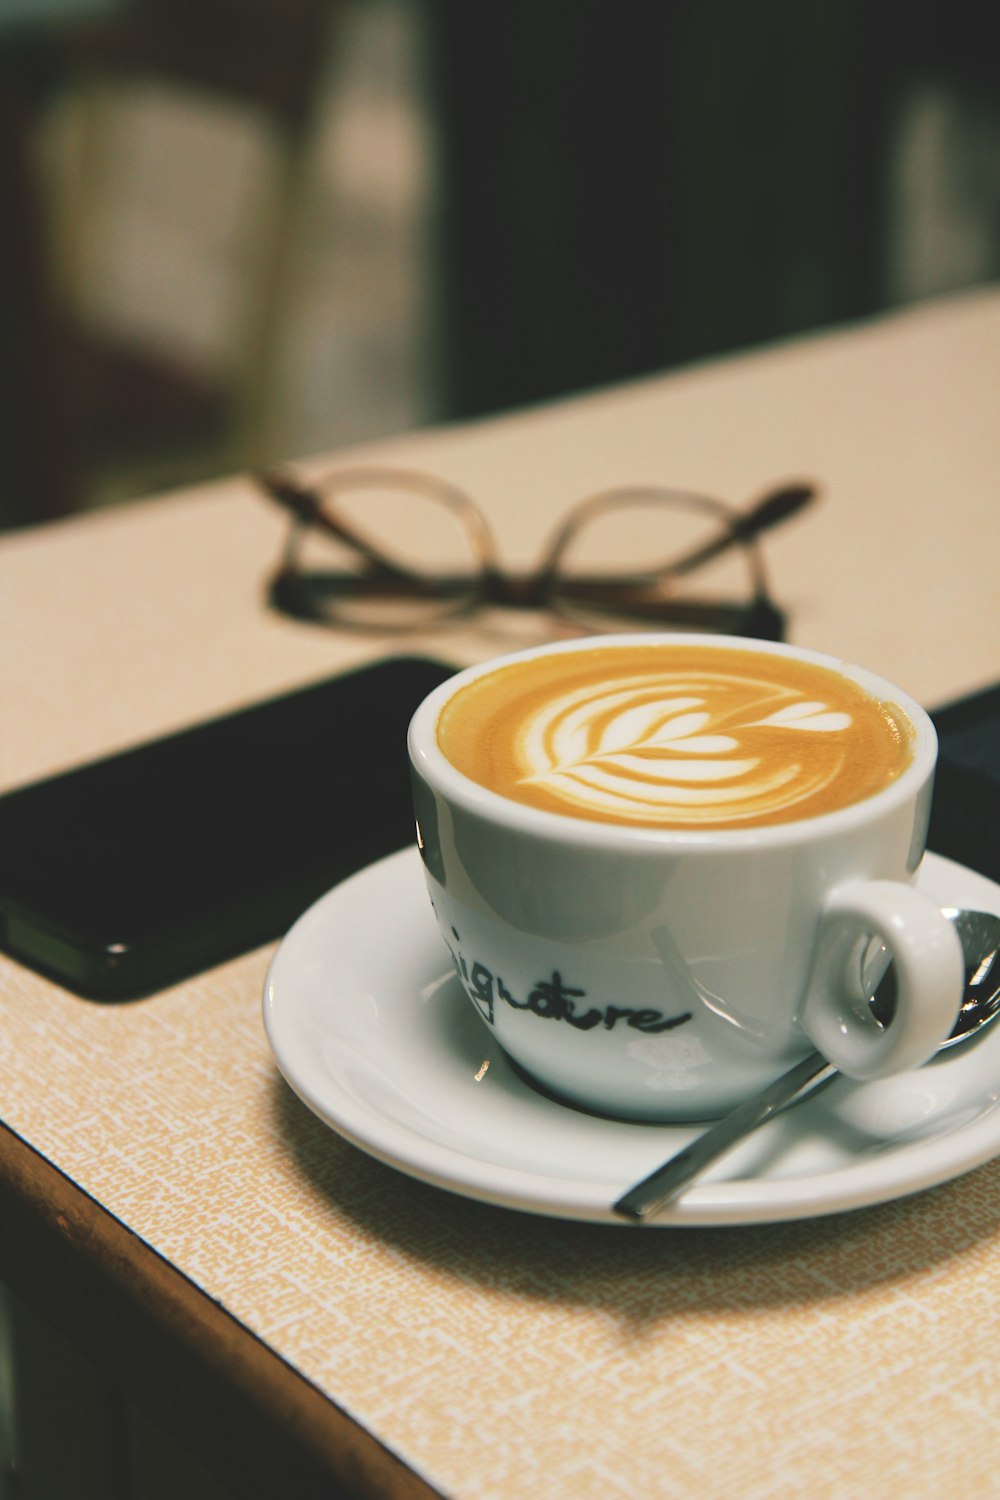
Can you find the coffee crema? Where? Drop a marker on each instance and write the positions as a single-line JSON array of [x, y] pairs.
[[679, 736]]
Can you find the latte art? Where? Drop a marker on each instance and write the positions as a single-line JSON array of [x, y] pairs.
[[646, 751], [678, 738]]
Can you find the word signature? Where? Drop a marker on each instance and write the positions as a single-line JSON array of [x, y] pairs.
[[555, 1000]]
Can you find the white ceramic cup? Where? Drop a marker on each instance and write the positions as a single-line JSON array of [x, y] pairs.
[[664, 974]]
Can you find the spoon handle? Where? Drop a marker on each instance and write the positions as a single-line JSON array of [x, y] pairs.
[[665, 1182]]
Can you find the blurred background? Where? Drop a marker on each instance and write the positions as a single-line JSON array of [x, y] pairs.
[[233, 231]]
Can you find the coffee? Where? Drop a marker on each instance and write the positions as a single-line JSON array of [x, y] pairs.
[[681, 737]]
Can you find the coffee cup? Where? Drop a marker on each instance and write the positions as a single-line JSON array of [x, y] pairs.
[[667, 866]]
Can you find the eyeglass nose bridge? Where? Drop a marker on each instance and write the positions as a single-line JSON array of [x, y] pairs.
[[533, 590]]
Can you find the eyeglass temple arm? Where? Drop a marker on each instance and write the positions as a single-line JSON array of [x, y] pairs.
[[775, 507], [308, 508]]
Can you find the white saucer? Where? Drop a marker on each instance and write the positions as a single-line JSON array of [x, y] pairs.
[[372, 1030]]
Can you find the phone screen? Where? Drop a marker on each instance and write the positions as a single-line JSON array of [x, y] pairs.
[[128, 874]]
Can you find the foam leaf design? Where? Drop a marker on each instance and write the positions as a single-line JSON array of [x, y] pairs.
[[642, 723], [638, 748], [817, 718], [639, 735]]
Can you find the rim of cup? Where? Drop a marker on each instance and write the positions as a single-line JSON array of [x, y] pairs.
[[433, 765]]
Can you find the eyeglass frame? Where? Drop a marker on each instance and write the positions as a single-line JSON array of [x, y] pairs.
[[493, 586]]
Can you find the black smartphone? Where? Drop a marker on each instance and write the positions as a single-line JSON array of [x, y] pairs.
[[965, 813], [128, 874]]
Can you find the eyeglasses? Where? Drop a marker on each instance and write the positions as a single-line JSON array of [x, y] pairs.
[[387, 549]]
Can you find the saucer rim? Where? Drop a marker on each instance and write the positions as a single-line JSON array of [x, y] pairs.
[[738, 1201]]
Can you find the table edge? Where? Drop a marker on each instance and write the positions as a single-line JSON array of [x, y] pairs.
[[254, 1422]]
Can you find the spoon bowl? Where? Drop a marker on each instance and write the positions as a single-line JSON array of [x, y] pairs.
[[979, 934]]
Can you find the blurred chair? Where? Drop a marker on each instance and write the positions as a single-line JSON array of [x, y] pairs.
[[106, 398]]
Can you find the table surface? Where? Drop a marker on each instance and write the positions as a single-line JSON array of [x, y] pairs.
[[495, 1353]]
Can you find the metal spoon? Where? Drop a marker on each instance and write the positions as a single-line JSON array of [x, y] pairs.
[[979, 933]]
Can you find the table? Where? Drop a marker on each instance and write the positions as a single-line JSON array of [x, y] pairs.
[[301, 1317]]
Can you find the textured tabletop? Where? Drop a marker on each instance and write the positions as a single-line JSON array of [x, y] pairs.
[[501, 1354]]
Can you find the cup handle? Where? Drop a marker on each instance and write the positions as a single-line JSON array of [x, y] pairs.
[[927, 955]]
